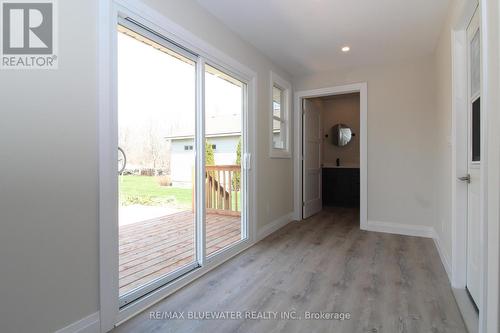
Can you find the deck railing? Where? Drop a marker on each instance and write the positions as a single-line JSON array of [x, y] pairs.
[[223, 184], [223, 189]]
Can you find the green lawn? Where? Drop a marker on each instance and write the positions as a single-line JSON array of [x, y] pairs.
[[144, 190]]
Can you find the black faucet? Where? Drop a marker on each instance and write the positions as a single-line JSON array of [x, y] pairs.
[[338, 161]]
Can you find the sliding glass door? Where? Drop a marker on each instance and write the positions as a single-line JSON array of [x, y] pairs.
[[165, 137], [224, 110], [156, 130]]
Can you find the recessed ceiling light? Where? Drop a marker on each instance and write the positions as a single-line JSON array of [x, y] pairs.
[[346, 49]]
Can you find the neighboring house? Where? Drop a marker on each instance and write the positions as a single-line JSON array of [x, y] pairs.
[[222, 131], [223, 124], [182, 155]]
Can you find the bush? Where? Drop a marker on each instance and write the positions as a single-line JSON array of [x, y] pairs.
[[147, 200], [237, 176], [138, 200], [164, 180], [147, 172]]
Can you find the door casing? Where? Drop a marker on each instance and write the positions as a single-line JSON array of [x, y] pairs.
[[362, 89], [474, 174]]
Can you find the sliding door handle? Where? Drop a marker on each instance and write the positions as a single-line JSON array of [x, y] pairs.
[[465, 179]]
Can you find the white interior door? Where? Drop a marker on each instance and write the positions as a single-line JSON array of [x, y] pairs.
[[312, 159], [474, 159]]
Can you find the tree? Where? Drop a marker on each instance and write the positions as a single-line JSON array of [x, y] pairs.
[[154, 145]]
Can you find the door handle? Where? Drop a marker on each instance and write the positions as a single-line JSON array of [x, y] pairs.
[[247, 162], [465, 178]]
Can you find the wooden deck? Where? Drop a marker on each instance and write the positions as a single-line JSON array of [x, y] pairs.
[[152, 249]]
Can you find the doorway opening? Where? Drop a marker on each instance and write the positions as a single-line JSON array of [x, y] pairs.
[[330, 136], [331, 150]]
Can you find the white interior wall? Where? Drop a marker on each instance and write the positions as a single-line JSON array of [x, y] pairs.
[[49, 150], [401, 136], [48, 188], [490, 11], [274, 176]]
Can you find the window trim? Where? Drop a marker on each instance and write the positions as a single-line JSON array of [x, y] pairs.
[[286, 87]]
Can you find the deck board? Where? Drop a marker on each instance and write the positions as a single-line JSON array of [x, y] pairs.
[[148, 250]]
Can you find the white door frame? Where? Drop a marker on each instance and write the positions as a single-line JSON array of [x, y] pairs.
[[460, 149], [460, 161], [109, 11], [362, 89]]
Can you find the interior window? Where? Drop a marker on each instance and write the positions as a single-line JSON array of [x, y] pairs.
[[278, 119], [476, 130]]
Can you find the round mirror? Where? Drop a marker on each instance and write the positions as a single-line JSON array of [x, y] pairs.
[[341, 134]]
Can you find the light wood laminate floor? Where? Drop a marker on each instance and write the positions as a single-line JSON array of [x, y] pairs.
[[387, 283]]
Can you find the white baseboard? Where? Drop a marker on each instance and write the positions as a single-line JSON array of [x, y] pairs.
[[400, 229], [274, 226], [89, 324], [442, 255]]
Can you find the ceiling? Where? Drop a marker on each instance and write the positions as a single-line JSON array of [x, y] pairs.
[[306, 36]]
